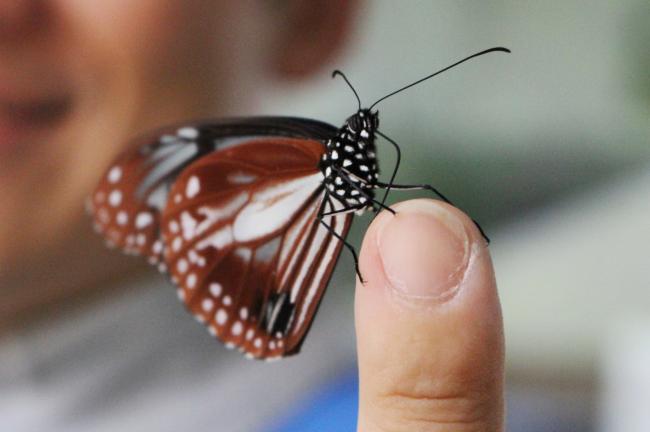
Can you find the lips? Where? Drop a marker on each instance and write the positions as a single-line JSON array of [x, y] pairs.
[[21, 119]]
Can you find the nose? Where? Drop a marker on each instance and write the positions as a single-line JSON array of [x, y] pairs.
[[18, 17]]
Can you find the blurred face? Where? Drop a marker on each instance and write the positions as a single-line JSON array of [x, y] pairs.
[[79, 77]]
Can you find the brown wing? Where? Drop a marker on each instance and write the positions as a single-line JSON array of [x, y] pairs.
[[127, 203], [245, 246], [126, 213]]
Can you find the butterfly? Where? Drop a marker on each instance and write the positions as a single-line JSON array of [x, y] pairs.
[[248, 216]]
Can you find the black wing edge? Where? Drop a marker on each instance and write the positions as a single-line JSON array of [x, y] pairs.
[[211, 129]]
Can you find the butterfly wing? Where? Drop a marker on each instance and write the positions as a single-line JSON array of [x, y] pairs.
[[127, 204], [231, 209], [245, 245]]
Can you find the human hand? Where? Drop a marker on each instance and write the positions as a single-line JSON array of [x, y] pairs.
[[429, 327]]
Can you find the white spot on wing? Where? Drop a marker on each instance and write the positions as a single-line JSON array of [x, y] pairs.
[[181, 266], [122, 218], [188, 132], [115, 198], [157, 247], [193, 187], [216, 289], [143, 220], [190, 282], [221, 317], [188, 225], [207, 305], [115, 174]]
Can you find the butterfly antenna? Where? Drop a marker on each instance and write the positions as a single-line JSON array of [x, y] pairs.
[[338, 72], [501, 49]]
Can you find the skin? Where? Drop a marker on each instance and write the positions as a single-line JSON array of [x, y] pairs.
[[428, 322], [79, 78]]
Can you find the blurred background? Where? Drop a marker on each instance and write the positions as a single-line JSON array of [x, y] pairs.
[[549, 148]]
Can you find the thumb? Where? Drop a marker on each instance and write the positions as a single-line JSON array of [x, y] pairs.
[[429, 327]]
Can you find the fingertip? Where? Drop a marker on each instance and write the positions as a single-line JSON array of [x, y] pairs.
[[422, 251], [428, 318]]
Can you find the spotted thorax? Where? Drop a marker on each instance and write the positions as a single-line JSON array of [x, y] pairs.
[[350, 162]]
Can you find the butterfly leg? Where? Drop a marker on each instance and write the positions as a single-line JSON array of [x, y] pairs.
[[321, 215], [381, 185], [398, 155], [345, 177], [347, 245], [343, 210]]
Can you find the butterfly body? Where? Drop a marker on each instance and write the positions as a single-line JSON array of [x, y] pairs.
[[350, 162]]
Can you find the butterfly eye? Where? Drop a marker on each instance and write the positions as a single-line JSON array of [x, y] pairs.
[[354, 123]]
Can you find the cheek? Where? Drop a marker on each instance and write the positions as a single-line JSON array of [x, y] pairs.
[[141, 64], [152, 60]]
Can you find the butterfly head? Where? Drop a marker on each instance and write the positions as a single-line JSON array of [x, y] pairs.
[[362, 124]]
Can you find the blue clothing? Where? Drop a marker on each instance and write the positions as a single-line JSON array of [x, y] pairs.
[[331, 408]]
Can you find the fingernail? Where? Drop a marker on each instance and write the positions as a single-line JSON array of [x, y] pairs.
[[424, 249]]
